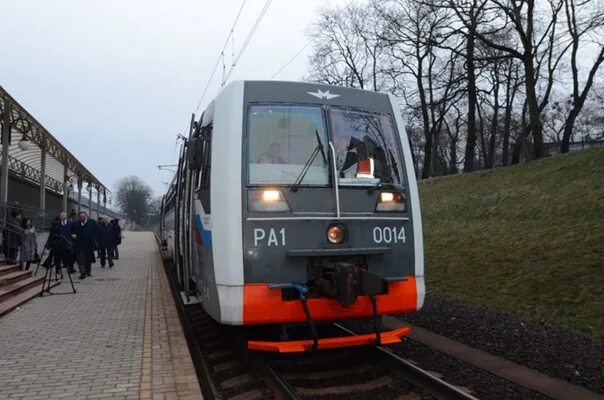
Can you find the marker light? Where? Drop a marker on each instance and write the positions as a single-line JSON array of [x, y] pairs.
[[391, 201], [266, 200], [336, 234]]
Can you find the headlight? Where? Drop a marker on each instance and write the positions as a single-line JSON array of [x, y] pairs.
[[336, 234], [266, 200], [391, 201], [271, 196]]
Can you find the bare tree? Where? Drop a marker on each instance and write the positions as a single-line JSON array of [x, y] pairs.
[[347, 49], [512, 83], [470, 14], [503, 62], [133, 197], [590, 23], [537, 45], [411, 33]]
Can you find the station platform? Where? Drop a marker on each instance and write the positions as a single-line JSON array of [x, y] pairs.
[[118, 337]]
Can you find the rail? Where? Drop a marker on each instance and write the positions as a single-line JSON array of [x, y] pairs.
[[414, 375], [417, 376]]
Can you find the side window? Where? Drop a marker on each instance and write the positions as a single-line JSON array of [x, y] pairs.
[[204, 174]]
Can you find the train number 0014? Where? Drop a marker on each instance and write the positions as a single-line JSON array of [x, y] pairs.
[[389, 234]]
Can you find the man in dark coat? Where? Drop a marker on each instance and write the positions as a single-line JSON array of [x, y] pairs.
[[104, 240], [84, 234], [60, 243], [117, 238]]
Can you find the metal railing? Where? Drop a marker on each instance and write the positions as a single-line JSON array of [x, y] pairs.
[[12, 237], [41, 219], [31, 174]]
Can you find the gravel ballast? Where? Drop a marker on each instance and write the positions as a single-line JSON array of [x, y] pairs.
[[555, 351], [481, 384]]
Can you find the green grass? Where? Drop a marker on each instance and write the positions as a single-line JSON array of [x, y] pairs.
[[527, 239]]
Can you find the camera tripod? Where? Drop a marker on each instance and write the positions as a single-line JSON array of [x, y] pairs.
[[50, 266]]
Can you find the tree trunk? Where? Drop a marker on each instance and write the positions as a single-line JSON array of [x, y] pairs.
[[471, 137], [490, 161], [568, 129], [427, 165], [521, 136], [534, 126], [509, 106], [453, 157]]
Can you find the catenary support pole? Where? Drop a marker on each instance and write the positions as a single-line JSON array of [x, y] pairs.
[[79, 194], [65, 188], [98, 202], [6, 127], [42, 202], [89, 201]]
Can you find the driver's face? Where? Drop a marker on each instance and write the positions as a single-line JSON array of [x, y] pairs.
[[274, 150]]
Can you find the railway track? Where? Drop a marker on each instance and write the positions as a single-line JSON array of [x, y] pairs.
[[358, 373], [227, 371]]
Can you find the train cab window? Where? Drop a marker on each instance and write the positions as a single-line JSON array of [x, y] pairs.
[[281, 140], [367, 151]]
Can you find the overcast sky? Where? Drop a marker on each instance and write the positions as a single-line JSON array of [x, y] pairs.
[[115, 81]]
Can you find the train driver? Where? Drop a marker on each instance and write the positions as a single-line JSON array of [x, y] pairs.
[[272, 155], [346, 158]]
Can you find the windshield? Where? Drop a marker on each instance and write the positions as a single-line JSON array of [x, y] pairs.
[[281, 140], [367, 152]]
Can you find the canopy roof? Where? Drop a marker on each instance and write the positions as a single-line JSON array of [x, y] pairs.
[[28, 163]]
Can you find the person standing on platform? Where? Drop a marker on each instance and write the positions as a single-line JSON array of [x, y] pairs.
[[72, 215], [84, 233], [104, 241], [117, 238], [29, 247], [61, 244]]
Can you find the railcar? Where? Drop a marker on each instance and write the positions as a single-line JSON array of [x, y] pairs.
[[297, 203]]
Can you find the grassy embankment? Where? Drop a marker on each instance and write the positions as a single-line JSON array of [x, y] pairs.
[[526, 239]]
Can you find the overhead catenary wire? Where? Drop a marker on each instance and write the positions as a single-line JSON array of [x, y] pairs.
[[291, 59], [247, 40], [220, 57]]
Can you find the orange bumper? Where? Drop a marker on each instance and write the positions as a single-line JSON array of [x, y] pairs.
[[299, 346], [263, 305]]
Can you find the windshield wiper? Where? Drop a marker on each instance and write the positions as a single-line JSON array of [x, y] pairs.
[[385, 185], [309, 162]]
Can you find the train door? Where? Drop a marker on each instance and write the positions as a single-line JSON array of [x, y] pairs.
[[178, 226], [187, 225], [198, 162]]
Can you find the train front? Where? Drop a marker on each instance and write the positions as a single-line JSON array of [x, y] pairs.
[[331, 223]]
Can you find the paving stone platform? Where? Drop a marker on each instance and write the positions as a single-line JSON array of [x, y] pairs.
[[118, 337]]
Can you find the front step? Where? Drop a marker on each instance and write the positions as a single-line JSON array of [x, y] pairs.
[[7, 269], [12, 277], [20, 286], [15, 301], [17, 287]]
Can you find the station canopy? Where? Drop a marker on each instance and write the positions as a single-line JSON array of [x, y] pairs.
[[61, 165]]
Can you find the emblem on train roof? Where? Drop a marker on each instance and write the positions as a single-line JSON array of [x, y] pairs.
[[323, 95]]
